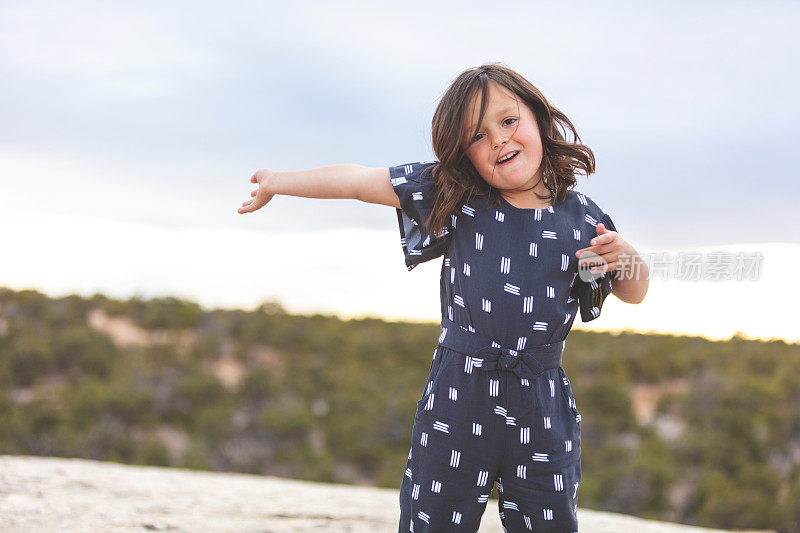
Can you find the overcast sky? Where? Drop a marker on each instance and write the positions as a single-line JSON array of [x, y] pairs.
[[130, 130]]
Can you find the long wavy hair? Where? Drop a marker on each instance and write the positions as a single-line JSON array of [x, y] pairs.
[[456, 178]]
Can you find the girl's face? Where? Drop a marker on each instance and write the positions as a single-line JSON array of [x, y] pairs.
[[509, 126]]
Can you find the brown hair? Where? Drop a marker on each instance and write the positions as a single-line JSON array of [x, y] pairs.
[[456, 178]]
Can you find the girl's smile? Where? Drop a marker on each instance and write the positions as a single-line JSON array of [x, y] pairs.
[[508, 157]]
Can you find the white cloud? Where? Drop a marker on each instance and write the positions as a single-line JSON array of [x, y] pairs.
[[174, 193], [106, 48]]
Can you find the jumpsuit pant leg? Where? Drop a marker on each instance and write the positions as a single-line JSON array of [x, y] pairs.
[[541, 467], [457, 444], [473, 427]]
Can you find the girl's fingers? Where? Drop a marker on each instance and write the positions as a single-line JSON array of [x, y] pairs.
[[610, 263], [601, 248], [253, 203], [605, 238], [593, 258], [606, 267], [605, 258], [590, 251]]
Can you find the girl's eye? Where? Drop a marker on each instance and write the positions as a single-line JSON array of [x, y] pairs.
[[506, 122]]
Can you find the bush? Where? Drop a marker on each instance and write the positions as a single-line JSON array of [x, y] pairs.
[[27, 360], [195, 458], [170, 313], [152, 453], [289, 419], [80, 351], [606, 404]]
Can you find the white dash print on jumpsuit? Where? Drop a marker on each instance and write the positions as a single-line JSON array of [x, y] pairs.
[[513, 289], [505, 264]]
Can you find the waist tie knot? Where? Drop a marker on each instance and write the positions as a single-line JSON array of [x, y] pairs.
[[487, 355], [523, 365]]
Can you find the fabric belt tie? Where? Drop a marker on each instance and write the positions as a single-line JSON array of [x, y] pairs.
[[505, 359], [486, 355]]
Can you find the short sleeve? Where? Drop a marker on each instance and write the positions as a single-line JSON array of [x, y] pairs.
[[591, 294], [414, 186]]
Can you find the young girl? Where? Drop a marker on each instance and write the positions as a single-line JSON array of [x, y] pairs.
[[498, 205]]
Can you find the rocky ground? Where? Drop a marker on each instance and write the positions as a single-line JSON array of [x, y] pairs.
[[57, 494]]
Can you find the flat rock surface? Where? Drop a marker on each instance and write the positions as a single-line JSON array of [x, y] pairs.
[[58, 494]]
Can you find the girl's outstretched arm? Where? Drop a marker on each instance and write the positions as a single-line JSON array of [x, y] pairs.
[[357, 182]]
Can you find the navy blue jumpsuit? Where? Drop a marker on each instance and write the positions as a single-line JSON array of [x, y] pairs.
[[497, 406]]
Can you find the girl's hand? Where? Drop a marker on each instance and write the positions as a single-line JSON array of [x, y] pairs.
[[609, 246], [260, 195]]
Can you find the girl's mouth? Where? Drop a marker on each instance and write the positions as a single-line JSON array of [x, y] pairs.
[[508, 158]]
